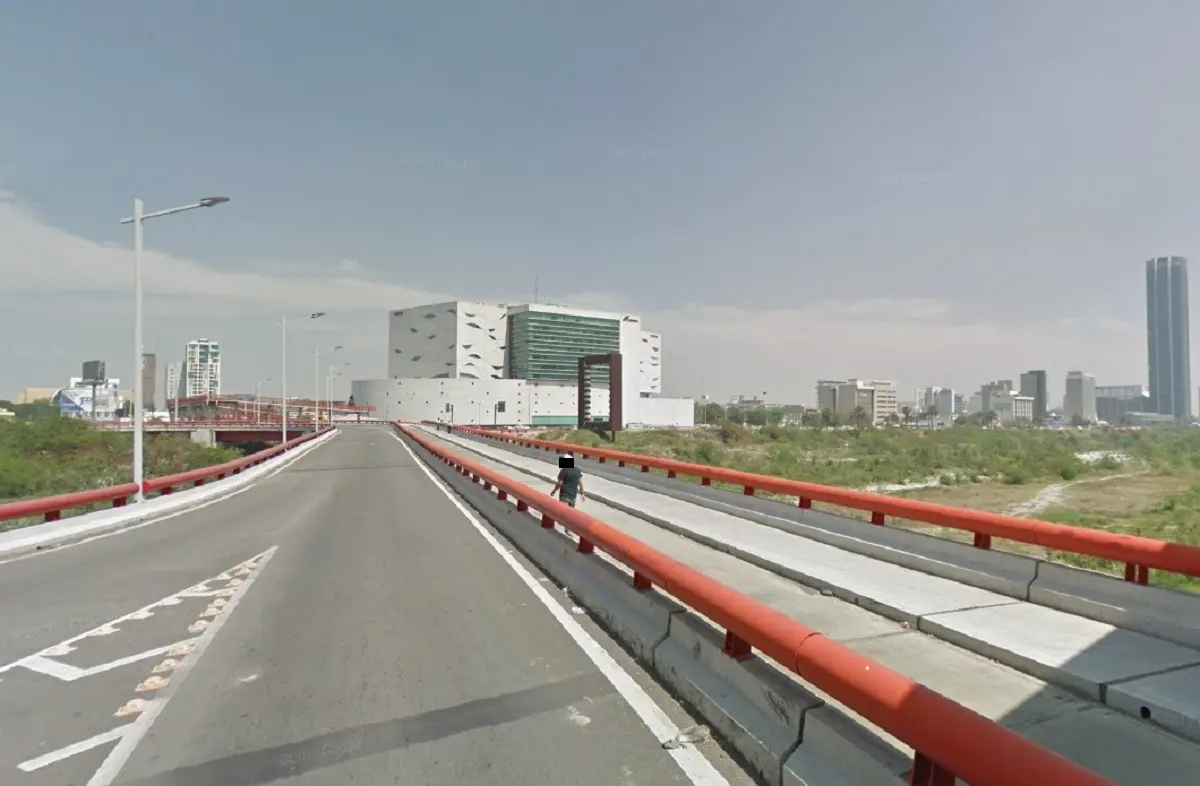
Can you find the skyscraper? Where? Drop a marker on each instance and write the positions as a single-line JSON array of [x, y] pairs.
[[1168, 348], [149, 378], [1033, 385]]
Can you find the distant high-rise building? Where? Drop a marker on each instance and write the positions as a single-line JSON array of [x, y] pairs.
[[149, 376], [1168, 347], [174, 381], [202, 368], [1081, 396], [827, 394], [1033, 385]]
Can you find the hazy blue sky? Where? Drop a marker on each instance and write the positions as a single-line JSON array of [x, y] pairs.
[[935, 192]]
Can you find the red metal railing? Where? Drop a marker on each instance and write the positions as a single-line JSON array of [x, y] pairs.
[[1139, 555], [950, 740], [51, 508]]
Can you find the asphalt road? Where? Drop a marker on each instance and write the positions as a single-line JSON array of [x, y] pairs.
[[339, 622]]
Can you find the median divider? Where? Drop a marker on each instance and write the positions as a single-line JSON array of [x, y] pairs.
[[780, 727], [163, 494], [1139, 555]]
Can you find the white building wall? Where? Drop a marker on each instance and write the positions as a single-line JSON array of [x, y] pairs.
[[561, 399], [447, 341], [422, 341], [482, 337], [662, 412], [474, 401], [649, 362], [525, 402]]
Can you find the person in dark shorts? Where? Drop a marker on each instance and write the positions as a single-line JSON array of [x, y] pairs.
[[570, 481]]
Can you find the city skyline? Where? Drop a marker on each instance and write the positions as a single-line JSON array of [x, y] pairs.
[[947, 202]]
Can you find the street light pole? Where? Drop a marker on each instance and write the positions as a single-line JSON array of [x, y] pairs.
[[317, 377], [258, 400], [329, 386], [283, 324], [138, 220], [138, 434]]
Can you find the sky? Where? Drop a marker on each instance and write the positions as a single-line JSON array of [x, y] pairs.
[[937, 193]]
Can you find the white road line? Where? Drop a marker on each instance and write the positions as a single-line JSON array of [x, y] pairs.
[[77, 747], [69, 673], [51, 668], [694, 764], [119, 757], [57, 549], [110, 626]]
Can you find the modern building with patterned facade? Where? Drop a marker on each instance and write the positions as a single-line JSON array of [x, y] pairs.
[[455, 340], [486, 346]]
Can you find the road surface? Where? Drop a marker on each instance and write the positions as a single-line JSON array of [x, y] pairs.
[[343, 621]]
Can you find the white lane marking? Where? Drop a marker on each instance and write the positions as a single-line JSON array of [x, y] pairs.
[[694, 764], [69, 673], [176, 514], [136, 731], [76, 747], [111, 626]]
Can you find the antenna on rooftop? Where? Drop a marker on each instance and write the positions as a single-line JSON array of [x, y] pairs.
[[535, 289]]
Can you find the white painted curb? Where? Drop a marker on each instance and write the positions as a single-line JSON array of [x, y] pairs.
[[38, 537]]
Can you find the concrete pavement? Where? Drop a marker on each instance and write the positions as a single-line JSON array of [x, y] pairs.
[[1117, 746], [340, 622]]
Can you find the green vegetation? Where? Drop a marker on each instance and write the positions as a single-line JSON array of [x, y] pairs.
[[962, 454], [969, 466], [52, 455]]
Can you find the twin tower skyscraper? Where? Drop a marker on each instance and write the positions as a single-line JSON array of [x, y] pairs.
[[1167, 338]]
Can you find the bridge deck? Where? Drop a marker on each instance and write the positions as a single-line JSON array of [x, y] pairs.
[[1066, 662]]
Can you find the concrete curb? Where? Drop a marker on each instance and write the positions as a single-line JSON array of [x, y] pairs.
[[50, 535], [784, 732]]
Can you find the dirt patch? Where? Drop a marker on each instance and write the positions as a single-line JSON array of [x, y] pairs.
[[1124, 496], [994, 497]]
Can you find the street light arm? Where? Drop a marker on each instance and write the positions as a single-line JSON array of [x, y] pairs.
[[206, 202]]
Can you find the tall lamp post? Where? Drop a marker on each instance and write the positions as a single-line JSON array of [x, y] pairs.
[[258, 399], [283, 323], [140, 216], [334, 373], [317, 377]]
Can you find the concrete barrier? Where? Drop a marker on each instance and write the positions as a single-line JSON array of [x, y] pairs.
[[1169, 614], [763, 713]]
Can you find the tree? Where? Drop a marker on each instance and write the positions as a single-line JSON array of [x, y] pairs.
[[858, 417], [906, 411]]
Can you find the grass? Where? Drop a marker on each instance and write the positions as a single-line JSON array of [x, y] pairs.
[[39, 458], [1152, 490]]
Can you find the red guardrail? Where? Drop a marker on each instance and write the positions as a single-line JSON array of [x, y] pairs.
[[51, 508], [253, 423], [1140, 555], [950, 740]]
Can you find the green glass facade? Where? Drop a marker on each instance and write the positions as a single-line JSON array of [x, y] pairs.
[[547, 347]]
